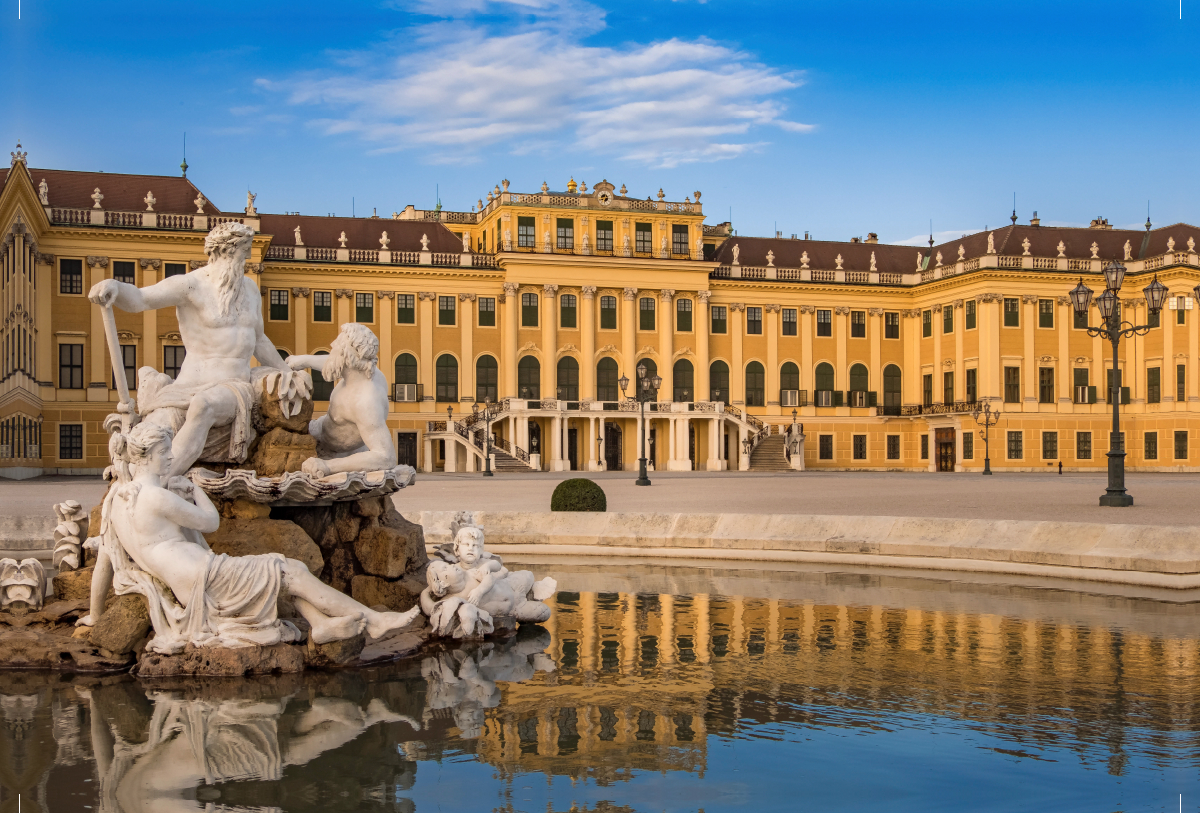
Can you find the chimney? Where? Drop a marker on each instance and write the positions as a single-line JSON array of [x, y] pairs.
[[778, 235], [872, 237], [806, 235], [855, 239], [1035, 220]]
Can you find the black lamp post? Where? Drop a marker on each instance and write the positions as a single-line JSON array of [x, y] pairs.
[[487, 434], [1114, 329], [647, 389], [988, 418]]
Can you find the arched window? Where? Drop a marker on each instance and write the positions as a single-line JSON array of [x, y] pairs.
[[824, 377], [606, 380], [406, 369], [447, 378], [651, 371], [682, 377], [891, 386], [321, 387], [718, 382], [568, 379], [789, 376], [858, 378], [529, 378], [486, 373], [755, 385]]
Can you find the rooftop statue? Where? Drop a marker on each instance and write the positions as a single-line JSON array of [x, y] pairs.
[[220, 319]]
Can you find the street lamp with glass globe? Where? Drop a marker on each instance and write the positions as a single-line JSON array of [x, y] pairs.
[[646, 390], [1114, 329]]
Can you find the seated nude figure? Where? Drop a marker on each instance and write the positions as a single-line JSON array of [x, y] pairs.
[[152, 536], [220, 319], [353, 435]]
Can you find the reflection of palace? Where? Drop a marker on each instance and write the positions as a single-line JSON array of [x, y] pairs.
[[542, 301]]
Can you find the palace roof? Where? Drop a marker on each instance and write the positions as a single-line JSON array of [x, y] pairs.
[[361, 233], [70, 189]]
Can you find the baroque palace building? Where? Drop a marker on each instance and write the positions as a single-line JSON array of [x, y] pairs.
[[542, 302]]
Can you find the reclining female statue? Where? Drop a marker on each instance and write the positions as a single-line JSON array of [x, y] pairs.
[[152, 544]]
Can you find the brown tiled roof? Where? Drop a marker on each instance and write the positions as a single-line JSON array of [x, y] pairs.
[[361, 232], [821, 254], [71, 189]]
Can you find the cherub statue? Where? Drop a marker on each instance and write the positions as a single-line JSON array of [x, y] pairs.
[[353, 435], [151, 542], [465, 595]]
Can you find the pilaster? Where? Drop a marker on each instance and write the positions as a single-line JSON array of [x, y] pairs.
[[587, 352]]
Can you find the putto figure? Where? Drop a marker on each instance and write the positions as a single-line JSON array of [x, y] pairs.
[[220, 319], [353, 435], [152, 543]]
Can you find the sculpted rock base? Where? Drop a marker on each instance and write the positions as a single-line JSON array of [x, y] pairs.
[[73, 585], [247, 537], [280, 451], [214, 661], [123, 624]]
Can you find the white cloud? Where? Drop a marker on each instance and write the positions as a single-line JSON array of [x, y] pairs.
[[459, 85]]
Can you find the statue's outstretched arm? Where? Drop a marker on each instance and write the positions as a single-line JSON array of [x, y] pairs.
[[299, 362], [132, 299]]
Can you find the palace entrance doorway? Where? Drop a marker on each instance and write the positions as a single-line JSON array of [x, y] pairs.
[[945, 449]]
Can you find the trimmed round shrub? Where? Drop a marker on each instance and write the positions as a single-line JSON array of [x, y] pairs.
[[578, 494]]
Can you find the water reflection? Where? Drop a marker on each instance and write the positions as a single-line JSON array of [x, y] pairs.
[[684, 689]]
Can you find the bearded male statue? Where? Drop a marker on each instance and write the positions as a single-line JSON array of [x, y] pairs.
[[220, 319]]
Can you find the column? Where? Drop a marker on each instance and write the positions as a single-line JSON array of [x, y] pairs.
[[1099, 376], [629, 326], [600, 458], [960, 373], [841, 372], [1062, 324], [669, 425], [44, 344], [912, 356], [99, 378], [989, 328], [150, 353], [737, 375], [508, 357], [1167, 376], [556, 444], [1193, 368], [590, 456], [549, 317], [1133, 376], [701, 324], [300, 327], [1029, 361], [713, 463], [426, 362], [587, 344], [385, 317], [666, 344], [466, 327], [806, 356], [772, 377], [344, 297], [875, 333], [938, 367]]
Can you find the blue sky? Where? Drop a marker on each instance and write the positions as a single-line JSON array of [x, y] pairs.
[[838, 117]]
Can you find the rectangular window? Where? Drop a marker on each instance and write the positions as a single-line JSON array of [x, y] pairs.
[[278, 305], [446, 315], [1049, 446], [646, 311], [1180, 309], [129, 364], [1079, 320], [1180, 381], [174, 270], [1153, 385], [70, 276], [565, 227], [1012, 312], [1046, 313], [604, 235], [891, 325], [323, 305], [1083, 445], [719, 318], [1181, 451], [683, 316], [608, 313], [644, 234], [1108, 377], [406, 309], [1150, 445], [1045, 385], [893, 447], [1012, 385], [70, 366], [860, 447], [948, 387], [947, 319], [1080, 382], [858, 324], [927, 389], [972, 385], [364, 308], [824, 323], [968, 446], [70, 441], [526, 232], [679, 239], [123, 271], [926, 324], [173, 356], [969, 311], [754, 321], [567, 311], [529, 310], [826, 444], [487, 311], [789, 322], [1016, 446], [924, 447]]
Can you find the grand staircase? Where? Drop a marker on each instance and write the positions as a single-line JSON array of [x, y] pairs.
[[768, 455], [506, 462]]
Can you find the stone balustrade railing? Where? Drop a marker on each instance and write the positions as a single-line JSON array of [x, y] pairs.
[[582, 201], [64, 216]]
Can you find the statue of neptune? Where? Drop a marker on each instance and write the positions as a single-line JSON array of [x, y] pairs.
[[220, 319]]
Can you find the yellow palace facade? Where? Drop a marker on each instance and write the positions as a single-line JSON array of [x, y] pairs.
[[541, 303]]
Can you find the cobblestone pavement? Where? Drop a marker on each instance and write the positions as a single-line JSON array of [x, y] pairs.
[[1160, 499]]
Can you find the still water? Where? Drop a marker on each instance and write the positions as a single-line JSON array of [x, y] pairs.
[[658, 688]]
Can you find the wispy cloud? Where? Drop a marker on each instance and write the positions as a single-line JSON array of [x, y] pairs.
[[515, 75]]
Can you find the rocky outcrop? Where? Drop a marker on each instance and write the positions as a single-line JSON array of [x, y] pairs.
[[249, 537], [32, 648], [221, 662], [72, 585], [280, 451], [124, 623]]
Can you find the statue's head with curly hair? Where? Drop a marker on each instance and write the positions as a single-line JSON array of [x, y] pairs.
[[228, 248], [229, 240], [355, 348]]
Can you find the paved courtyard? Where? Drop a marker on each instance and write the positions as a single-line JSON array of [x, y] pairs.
[[1161, 499]]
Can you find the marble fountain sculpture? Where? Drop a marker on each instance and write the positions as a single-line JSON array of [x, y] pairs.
[[238, 535]]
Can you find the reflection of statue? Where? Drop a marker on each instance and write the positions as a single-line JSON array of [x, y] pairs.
[[151, 540], [465, 595], [220, 318], [353, 435]]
